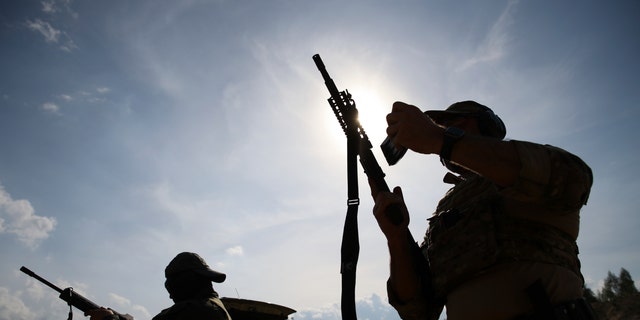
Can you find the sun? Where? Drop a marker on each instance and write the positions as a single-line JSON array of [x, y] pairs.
[[373, 107], [372, 112]]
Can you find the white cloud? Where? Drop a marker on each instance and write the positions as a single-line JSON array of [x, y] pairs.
[[12, 307], [69, 45], [49, 7], [94, 96], [51, 107], [140, 310], [54, 7], [235, 251], [103, 90], [123, 304], [51, 34], [493, 47], [17, 217], [371, 307], [119, 300], [36, 290]]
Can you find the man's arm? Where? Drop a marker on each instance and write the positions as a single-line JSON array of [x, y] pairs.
[[492, 158], [409, 284], [404, 279], [403, 276]]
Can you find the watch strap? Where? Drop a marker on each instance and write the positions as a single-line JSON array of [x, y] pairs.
[[451, 136]]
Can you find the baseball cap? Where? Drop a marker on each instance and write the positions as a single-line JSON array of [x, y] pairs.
[[189, 261], [491, 124], [457, 109]]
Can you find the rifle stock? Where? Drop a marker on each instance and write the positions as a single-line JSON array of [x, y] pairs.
[[71, 297]]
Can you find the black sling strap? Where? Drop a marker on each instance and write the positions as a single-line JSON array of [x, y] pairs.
[[350, 245]]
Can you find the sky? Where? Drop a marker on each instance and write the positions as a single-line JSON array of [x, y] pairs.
[[131, 131]]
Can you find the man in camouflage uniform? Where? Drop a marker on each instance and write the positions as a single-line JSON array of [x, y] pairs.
[[502, 242], [188, 281]]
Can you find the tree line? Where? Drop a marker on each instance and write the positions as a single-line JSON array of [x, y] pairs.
[[618, 299]]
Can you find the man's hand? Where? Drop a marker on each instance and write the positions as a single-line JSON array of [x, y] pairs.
[[383, 200], [100, 314], [411, 128]]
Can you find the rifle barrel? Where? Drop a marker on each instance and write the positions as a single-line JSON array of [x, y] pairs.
[[41, 279], [333, 89]]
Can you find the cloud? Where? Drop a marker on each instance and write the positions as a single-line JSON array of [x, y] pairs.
[[51, 34], [103, 90], [99, 95], [126, 304], [68, 46], [54, 7], [51, 107], [17, 217], [41, 301], [12, 307], [493, 47], [49, 7], [235, 251], [372, 307], [119, 300]]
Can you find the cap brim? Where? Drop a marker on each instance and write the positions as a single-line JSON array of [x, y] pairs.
[[214, 276], [439, 115]]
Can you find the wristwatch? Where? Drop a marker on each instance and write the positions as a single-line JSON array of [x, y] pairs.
[[451, 136]]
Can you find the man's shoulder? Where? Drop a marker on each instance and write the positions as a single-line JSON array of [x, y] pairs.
[[532, 148], [193, 309], [549, 157]]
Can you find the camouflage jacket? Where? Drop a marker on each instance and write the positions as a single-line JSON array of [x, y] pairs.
[[478, 225]]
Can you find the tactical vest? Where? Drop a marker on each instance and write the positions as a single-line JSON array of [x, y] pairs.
[[470, 232]]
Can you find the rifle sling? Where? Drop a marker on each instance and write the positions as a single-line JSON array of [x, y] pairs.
[[350, 245]]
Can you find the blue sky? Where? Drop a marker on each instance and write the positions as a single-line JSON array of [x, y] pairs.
[[133, 130]]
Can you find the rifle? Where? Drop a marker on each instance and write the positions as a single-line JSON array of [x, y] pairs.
[[358, 144], [345, 110], [72, 298]]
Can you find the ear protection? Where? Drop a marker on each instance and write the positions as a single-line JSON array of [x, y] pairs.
[[490, 124]]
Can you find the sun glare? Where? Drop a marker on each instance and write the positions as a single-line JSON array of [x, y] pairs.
[[372, 112]]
